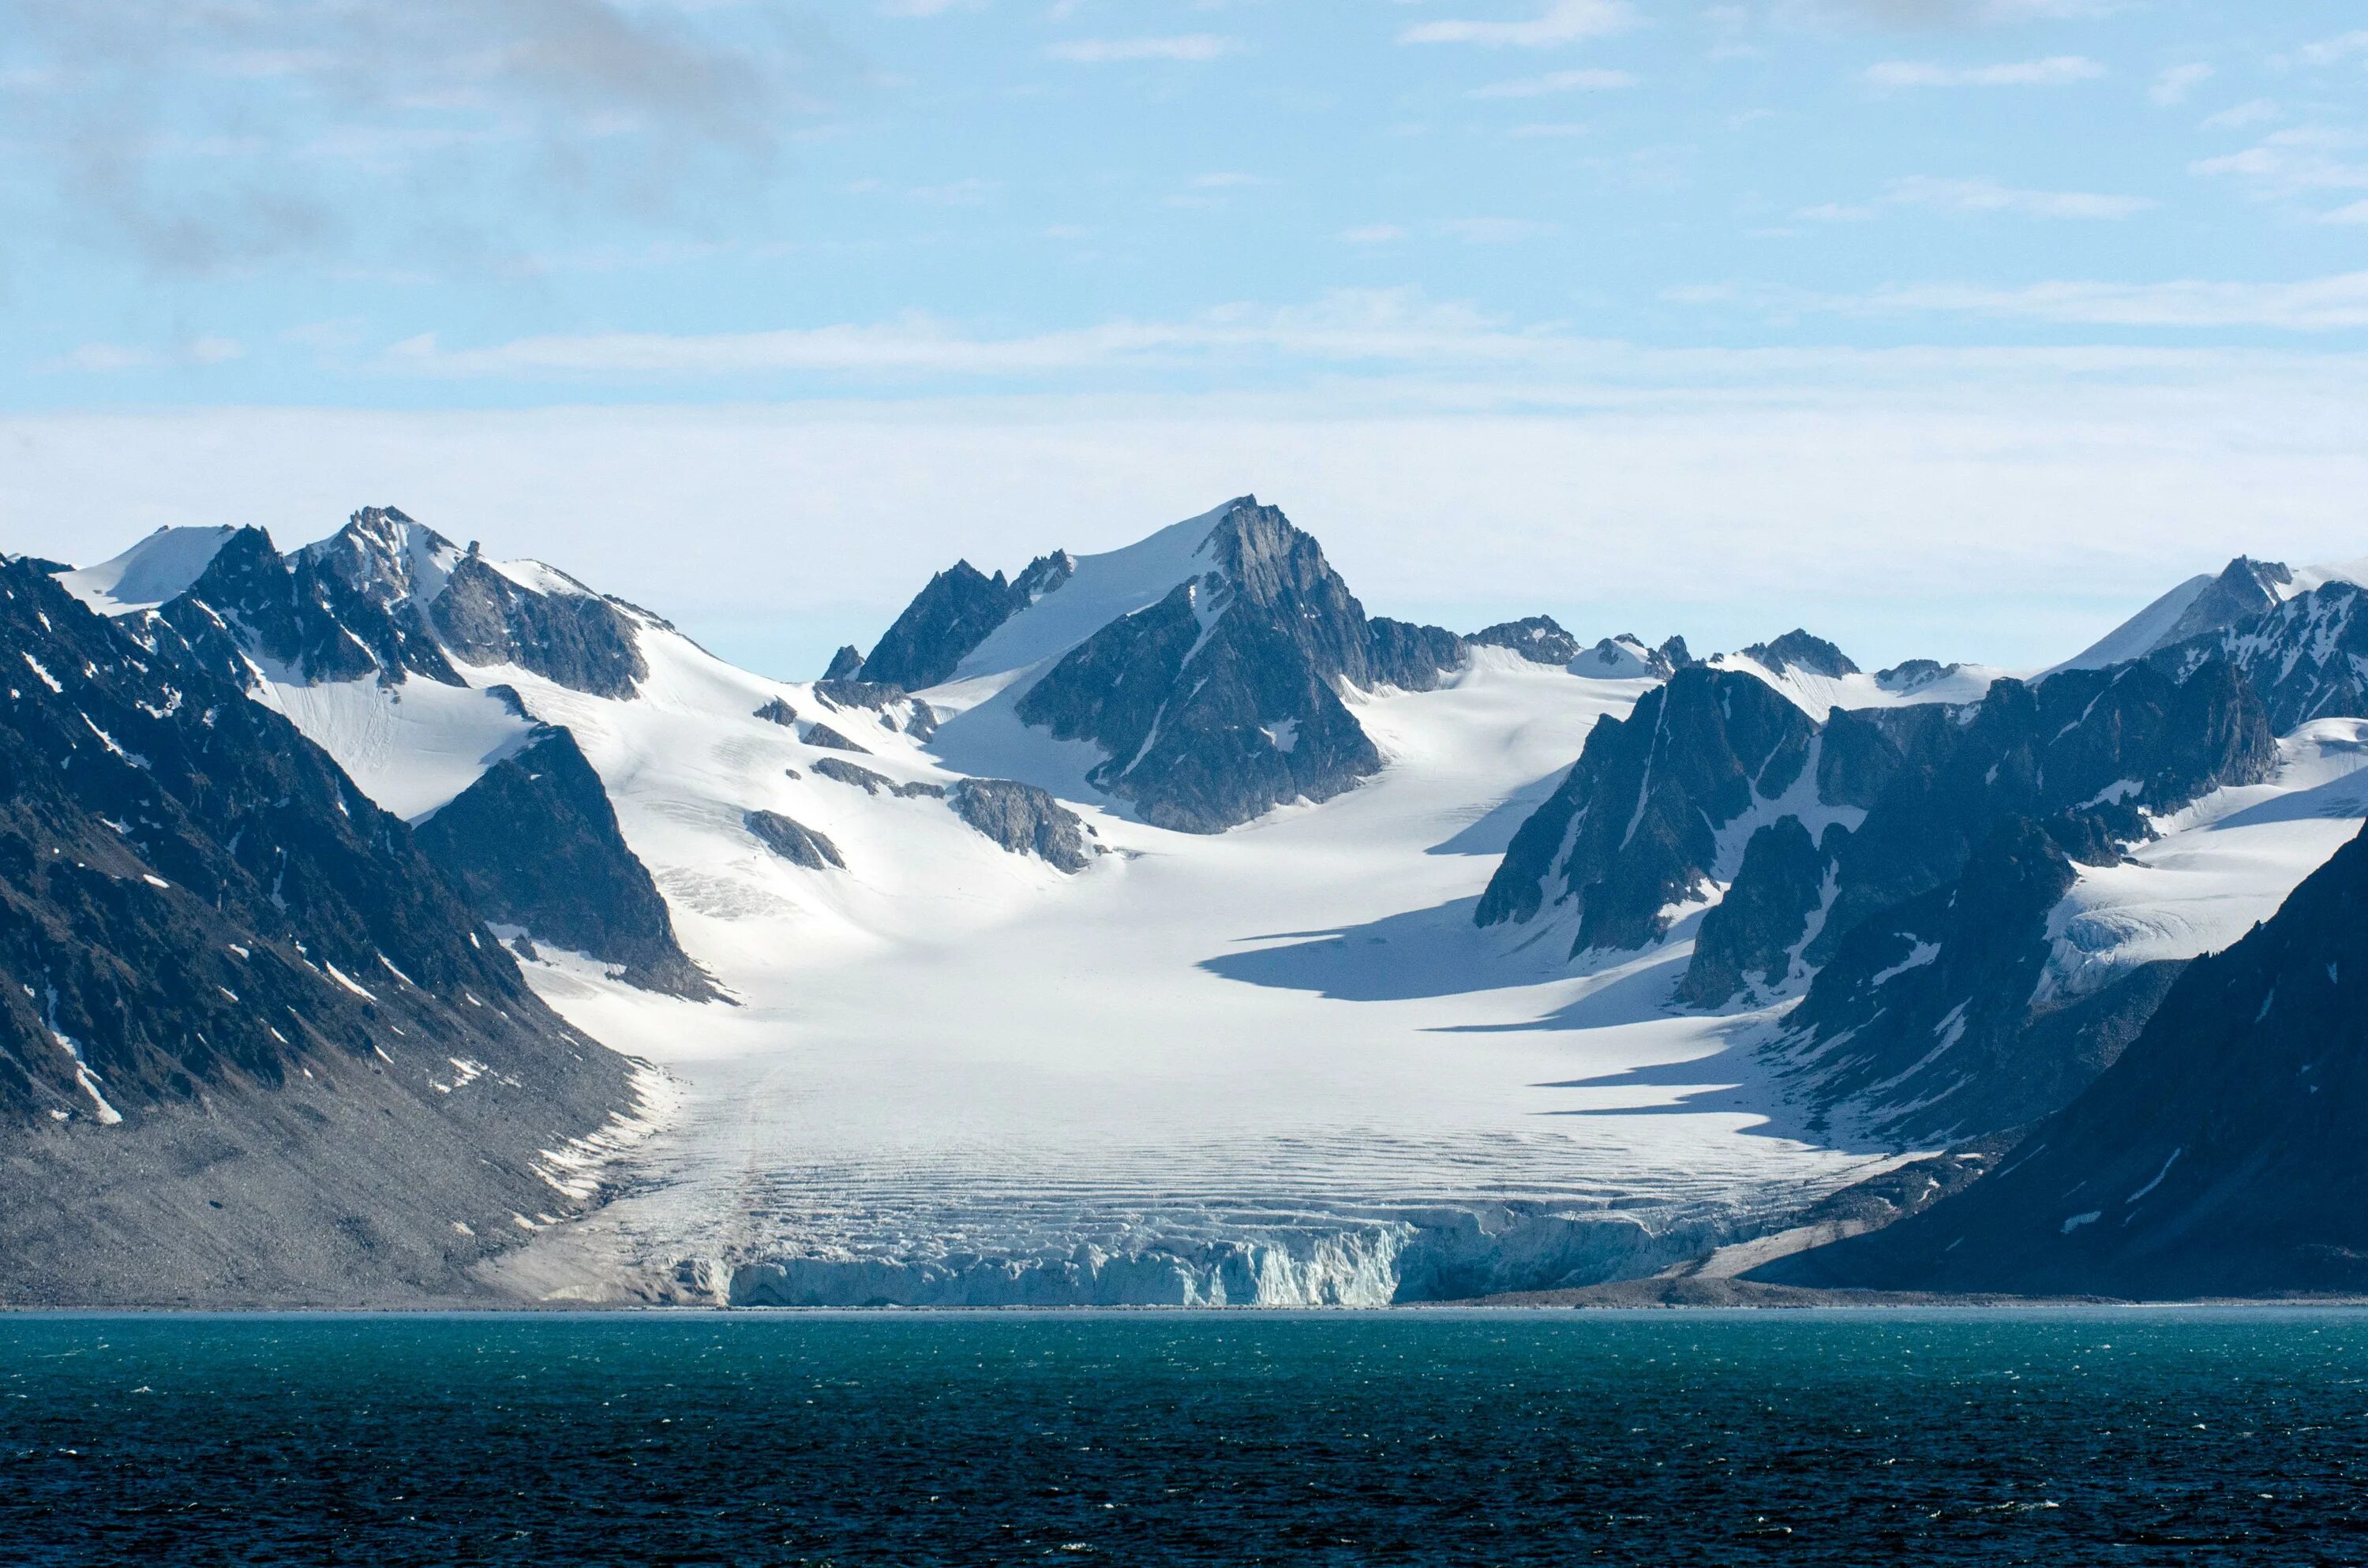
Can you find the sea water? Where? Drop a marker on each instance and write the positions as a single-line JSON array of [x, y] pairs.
[[2039, 1437]]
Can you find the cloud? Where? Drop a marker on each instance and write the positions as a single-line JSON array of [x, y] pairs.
[[1563, 21], [2174, 84], [2255, 112], [219, 136], [2319, 305], [2355, 213], [2294, 162], [2056, 71], [106, 358], [1495, 231], [2332, 51], [1556, 81], [1191, 46], [1929, 14], [1989, 195]]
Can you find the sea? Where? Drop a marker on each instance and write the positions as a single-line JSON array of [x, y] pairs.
[[2045, 1436]]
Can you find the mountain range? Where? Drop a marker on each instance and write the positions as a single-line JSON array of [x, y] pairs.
[[387, 923]]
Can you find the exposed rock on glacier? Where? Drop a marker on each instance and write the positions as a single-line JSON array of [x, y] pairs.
[[793, 841], [1023, 818], [534, 844]]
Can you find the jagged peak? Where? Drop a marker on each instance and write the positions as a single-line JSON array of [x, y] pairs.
[[1799, 649]]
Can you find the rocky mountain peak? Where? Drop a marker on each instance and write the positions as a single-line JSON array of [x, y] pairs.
[[1537, 638], [1798, 649]]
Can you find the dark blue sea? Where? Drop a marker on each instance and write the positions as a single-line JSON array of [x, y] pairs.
[[2054, 1437]]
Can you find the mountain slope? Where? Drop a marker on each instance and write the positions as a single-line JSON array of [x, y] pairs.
[[2218, 1155], [251, 1049]]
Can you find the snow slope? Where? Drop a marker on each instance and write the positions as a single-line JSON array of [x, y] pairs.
[[151, 571]]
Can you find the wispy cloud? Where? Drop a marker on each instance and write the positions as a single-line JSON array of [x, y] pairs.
[[1929, 14], [106, 359], [611, 108], [2319, 305], [2174, 84], [2330, 51], [1188, 47], [1561, 22], [2056, 71], [2295, 162], [2257, 111], [1495, 231], [1989, 195], [1556, 81]]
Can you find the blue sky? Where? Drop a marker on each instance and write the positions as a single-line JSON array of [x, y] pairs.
[[1953, 320]]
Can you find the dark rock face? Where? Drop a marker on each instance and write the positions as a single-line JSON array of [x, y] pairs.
[[304, 613], [579, 640], [1796, 650], [873, 783], [845, 665], [778, 711], [952, 616], [2096, 745], [1536, 637], [819, 734], [2307, 657], [945, 621], [1024, 820], [1748, 944], [1221, 701], [1411, 657], [2244, 589], [2218, 1154], [534, 843], [1641, 810], [234, 992], [793, 841], [1914, 675]]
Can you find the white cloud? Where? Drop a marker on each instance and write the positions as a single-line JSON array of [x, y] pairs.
[[2330, 51], [106, 358], [1989, 195], [1190, 47], [1495, 231], [2055, 71], [2253, 113], [1556, 81], [2355, 213], [2174, 84], [2297, 160], [2318, 304], [1563, 21]]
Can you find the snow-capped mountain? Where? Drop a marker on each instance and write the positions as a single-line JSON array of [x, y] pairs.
[[1156, 926], [251, 1049]]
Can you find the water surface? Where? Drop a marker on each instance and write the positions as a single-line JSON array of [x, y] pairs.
[[2126, 1438]]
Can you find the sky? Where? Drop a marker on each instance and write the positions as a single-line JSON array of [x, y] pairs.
[[1952, 328]]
